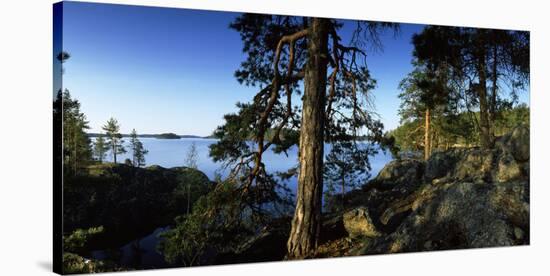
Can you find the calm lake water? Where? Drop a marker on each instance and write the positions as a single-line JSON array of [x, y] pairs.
[[172, 153]]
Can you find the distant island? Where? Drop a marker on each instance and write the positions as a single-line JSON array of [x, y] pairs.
[[168, 136], [157, 136]]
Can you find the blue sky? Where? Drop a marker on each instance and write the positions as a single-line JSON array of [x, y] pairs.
[[171, 70]]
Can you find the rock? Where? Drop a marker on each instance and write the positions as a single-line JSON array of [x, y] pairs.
[[519, 143], [269, 244], [460, 198], [358, 223], [511, 200], [507, 169], [406, 173], [476, 164], [518, 233], [428, 245], [441, 164], [461, 215]]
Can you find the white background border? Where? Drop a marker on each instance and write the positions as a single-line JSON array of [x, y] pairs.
[[26, 152]]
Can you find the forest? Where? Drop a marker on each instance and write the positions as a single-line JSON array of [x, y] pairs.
[[462, 130]]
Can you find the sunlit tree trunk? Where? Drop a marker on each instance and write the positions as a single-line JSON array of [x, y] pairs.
[[427, 140], [306, 223]]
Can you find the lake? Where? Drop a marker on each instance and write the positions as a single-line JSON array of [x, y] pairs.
[[172, 153]]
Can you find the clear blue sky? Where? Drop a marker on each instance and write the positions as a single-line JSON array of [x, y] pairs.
[[171, 70]]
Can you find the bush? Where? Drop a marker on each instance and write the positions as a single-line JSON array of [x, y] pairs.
[[78, 240], [216, 224]]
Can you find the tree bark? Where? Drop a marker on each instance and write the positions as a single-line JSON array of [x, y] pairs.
[[188, 197], [495, 82], [484, 120], [306, 223], [343, 188], [114, 151], [427, 141]]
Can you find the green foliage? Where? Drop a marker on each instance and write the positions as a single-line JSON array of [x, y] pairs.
[[191, 185], [138, 151], [114, 138], [126, 200], [408, 136], [479, 64], [79, 238], [77, 151], [455, 130], [75, 264], [511, 118], [214, 224], [346, 167], [168, 136], [100, 148], [271, 121]]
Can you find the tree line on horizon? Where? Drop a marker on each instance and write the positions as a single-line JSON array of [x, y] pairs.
[[79, 150]]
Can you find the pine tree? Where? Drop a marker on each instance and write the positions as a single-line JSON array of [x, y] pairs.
[[114, 138], [425, 94], [284, 54], [191, 162], [138, 151], [482, 62], [76, 143], [347, 166], [100, 148]]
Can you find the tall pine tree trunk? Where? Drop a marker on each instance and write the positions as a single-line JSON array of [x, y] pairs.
[[495, 82], [306, 223], [343, 188], [484, 118], [427, 141], [114, 151]]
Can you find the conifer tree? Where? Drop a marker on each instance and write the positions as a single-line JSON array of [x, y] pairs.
[[100, 148], [138, 151], [76, 143], [347, 166], [114, 138], [282, 54]]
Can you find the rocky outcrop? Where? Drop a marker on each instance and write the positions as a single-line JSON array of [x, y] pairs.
[[358, 223], [461, 198], [404, 175]]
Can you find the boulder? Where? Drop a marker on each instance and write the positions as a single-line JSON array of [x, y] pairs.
[[460, 198], [461, 215], [402, 173], [358, 223], [519, 143], [475, 165], [507, 168], [442, 163]]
